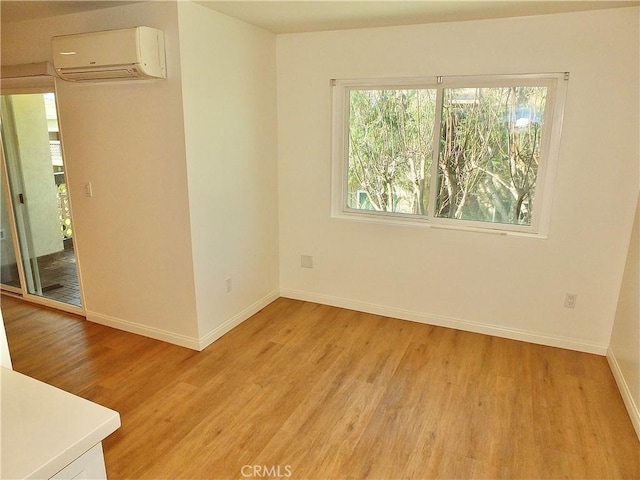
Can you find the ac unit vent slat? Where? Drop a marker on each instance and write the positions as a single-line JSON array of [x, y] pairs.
[[83, 76]]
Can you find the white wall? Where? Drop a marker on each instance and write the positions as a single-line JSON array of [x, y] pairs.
[[507, 286], [229, 95], [624, 350], [133, 237]]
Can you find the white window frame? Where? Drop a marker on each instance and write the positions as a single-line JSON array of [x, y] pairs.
[[556, 84]]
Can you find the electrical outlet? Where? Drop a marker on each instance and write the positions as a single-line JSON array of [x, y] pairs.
[[228, 284], [306, 261], [570, 300]]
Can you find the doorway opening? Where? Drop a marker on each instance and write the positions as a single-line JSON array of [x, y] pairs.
[[37, 256]]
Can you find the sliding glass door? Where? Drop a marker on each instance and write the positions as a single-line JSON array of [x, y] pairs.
[[36, 218]]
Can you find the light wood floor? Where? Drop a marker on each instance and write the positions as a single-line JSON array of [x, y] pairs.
[[325, 393]]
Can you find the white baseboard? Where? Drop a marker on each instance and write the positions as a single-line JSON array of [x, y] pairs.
[[442, 321], [438, 320], [236, 320], [183, 340], [144, 330], [632, 408]]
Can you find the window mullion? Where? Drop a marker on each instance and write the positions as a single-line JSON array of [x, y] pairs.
[[437, 132]]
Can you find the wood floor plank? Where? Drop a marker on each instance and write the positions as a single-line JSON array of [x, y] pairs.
[[309, 391]]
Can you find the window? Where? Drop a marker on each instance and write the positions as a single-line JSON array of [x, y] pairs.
[[473, 152]]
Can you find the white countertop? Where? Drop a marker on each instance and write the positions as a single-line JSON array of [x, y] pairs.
[[44, 428]]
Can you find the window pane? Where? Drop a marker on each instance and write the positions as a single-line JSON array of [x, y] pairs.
[[390, 149], [489, 153]]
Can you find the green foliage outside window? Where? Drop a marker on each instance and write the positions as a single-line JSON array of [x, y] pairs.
[[488, 151]]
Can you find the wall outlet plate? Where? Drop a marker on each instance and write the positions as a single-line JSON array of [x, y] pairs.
[[306, 261], [570, 300]]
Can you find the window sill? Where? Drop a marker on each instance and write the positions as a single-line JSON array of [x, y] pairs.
[[411, 221]]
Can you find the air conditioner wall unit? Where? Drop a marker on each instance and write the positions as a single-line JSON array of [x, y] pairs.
[[129, 53]]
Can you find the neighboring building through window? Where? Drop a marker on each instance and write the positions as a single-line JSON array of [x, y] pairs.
[[466, 151]]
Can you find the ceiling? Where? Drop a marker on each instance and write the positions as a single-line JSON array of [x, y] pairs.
[[308, 15]]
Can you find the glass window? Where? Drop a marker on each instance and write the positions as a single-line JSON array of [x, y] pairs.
[[466, 151]]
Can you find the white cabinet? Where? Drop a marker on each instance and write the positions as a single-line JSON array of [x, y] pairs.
[[88, 466]]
